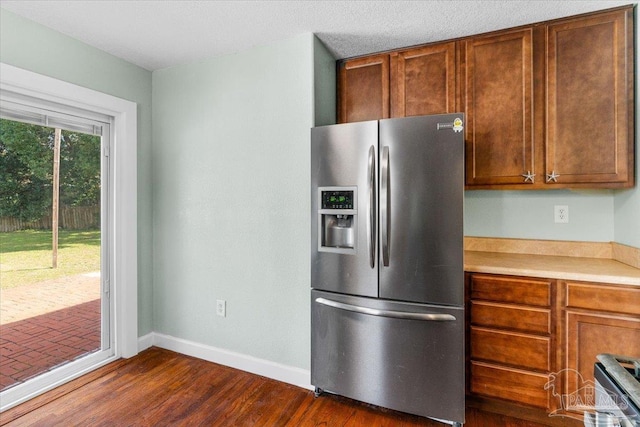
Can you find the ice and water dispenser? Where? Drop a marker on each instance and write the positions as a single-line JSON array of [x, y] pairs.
[[337, 219]]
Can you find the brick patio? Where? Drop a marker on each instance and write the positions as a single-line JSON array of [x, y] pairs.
[[47, 324]]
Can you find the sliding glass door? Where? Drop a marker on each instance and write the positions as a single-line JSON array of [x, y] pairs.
[[55, 263]]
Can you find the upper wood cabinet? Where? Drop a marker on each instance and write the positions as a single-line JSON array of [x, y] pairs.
[[550, 105], [498, 102], [590, 100], [363, 89], [423, 80], [411, 82]]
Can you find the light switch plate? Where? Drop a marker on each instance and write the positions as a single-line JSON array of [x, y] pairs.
[[221, 308]]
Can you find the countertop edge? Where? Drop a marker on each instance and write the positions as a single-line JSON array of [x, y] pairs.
[[616, 280], [552, 267]]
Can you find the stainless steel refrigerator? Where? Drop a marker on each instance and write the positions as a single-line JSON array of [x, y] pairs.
[[387, 298]]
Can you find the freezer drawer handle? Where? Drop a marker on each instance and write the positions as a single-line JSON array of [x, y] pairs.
[[437, 317]]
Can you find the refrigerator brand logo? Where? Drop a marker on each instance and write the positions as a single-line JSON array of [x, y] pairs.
[[456, 125], [583, 398]]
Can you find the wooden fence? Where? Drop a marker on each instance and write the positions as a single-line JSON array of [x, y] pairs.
[[70, 218]]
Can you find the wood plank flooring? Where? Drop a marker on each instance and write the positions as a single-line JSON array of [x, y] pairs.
[[162, 388]]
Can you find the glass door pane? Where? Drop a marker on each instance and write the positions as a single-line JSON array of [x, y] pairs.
[[53, 297]]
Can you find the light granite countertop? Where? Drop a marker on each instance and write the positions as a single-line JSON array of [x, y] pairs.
[[601, 270]]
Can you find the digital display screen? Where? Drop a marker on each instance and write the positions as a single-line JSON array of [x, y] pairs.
[[337, 200]]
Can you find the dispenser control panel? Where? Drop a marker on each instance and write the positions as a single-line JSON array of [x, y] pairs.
[[337, 219], [337, 200]]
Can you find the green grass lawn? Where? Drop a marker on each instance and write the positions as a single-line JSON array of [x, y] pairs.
[[26, 256]]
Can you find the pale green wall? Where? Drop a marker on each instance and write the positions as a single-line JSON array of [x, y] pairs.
[[324, 84], [33, 47], [627, 202], [529, 214], [627, 207], [231, 200]]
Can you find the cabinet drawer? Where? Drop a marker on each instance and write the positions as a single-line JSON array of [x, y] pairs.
[[516, 317], [521, 350], [510, 384], [624, 300], [511, 290]]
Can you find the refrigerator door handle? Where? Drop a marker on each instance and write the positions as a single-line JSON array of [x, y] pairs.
[[384, 205], [435, 317], [371, 206]]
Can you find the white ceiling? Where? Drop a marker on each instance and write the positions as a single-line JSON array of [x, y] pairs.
[[159, 34]]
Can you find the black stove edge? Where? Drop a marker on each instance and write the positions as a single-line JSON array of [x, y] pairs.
[[621, 376], [621, 399]]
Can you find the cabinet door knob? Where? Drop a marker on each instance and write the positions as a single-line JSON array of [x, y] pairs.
[[552, 177], [528, 177]]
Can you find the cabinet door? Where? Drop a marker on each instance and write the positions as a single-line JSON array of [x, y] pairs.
[[589, 334], [363, 86], [498, 102], [590, 107], [423, 81]]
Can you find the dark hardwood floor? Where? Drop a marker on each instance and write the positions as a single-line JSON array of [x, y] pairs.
[[162, 388]]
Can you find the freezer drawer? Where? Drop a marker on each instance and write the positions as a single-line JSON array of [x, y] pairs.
[[403, 356]]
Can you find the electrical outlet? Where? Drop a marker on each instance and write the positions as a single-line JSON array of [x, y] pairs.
[[561, 214], [221, 308]]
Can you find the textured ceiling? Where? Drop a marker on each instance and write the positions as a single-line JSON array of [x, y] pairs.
[[160, 34]]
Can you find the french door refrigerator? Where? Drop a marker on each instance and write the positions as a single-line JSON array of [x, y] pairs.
[[387, 297]]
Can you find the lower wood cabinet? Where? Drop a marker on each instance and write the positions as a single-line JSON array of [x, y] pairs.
[[510, 345], [598, 318], [533, 342]]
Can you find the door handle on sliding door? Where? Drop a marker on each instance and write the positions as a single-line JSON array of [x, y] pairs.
[[384, 206]]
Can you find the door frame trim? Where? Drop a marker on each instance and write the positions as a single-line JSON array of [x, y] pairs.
[[124, 280]]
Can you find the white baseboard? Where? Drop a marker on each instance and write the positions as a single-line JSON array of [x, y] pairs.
[[287, 374], [145, 341]]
